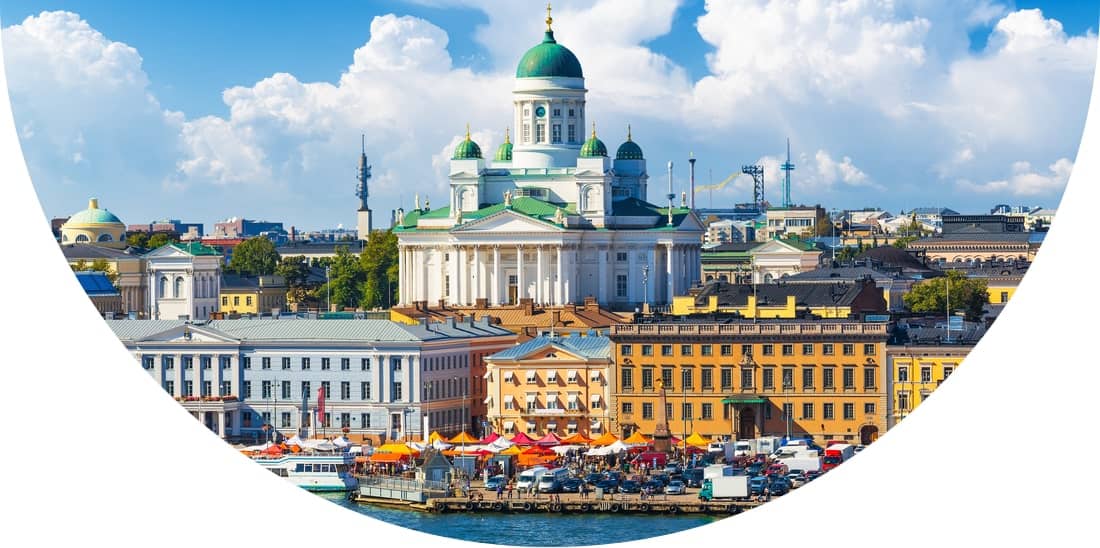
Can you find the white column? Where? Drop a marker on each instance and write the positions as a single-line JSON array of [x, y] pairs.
[[651, 283], [496, 276], [452, 273], [521, 289], [557, 276], [221, 423], [634, 276], [384, 379], [463, 275], [411, 378], [601, 260], [540, 275], [478, 276], [402, 272], [670, 272]]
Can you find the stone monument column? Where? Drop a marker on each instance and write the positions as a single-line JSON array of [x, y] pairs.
[[661, 435]]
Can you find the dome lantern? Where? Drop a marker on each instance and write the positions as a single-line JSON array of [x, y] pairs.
[[467, 149], [629, 150], [593, 147], [504, 151]]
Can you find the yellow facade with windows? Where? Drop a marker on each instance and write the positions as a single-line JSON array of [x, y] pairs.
[[738, 378], [238, 295], [682, 306], [550, 384], [914, 372]]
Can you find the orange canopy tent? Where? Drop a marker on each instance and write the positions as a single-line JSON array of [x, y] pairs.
[[696, 440], [513, 450], [533, 460], [576, 439], [606, 439], [434, 437], [636, 439], [273, 450], [387, 457], [463, 438], [397, 448], [536, 450]]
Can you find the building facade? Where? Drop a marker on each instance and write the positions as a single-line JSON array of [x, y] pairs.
[[252, 294], [551, 384], [552, 217], [132, 281], [183, 281], [915, 371], [823, 378], [794, 221], [382, 380]]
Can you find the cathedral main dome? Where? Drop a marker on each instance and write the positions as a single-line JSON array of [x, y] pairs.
[[549, 60]]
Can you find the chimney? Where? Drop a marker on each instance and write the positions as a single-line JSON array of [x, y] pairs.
[[555, 318], [481, 303], [590, 301], [442, 304], [528, 306]]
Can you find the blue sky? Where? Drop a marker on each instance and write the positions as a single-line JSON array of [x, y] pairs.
[[188, 54]]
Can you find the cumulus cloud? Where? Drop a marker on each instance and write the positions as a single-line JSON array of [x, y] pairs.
[[1025, 181]]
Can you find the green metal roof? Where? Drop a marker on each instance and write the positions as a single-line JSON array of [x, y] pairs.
[[549, 59], [593, 147], [629, 151], [197, 249], [504, 152], [467, 150]]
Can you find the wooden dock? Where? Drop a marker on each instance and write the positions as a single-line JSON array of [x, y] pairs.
[[576, 505]]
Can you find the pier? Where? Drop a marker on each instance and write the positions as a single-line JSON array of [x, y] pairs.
[[577, 505]]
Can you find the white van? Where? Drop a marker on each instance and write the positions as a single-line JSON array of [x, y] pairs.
[[551, 480], [530, 477]]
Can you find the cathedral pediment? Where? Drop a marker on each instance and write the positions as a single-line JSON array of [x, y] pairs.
[[508, 221], [188, 333]]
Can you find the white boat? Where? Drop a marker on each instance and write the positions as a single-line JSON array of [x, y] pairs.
[[314, 471]]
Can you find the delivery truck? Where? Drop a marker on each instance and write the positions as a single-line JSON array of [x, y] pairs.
[[725, 487], [802, 464], [836, 454]]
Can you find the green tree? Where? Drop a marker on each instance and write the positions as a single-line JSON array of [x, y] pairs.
[[345, 280], [295, 270], [159, 239], [380, 269], [254, 257], [137, 239], [969, 295], [904, 241]]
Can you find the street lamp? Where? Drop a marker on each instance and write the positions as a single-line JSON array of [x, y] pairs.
[[645, 288]]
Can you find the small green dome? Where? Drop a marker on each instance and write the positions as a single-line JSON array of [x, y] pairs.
[[504, 151], [549, 59], [93, 215], [593, 147], [467, 150], [629, 150]]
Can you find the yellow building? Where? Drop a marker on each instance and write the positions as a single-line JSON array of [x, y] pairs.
[[823, 378], [784, 300], [94, 225], [550, 384], [916, 369], [252, 294]]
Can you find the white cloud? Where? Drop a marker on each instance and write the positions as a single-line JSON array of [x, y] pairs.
[[1024, 181]]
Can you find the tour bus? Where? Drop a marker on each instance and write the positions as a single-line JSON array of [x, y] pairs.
[[530, 477]]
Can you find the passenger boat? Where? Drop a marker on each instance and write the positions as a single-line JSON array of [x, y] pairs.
[[314, 471]]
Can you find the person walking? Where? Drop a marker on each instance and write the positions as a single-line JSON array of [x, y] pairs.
[[500, 490]]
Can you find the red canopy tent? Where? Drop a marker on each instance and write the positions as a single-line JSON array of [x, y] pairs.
[[493, 436], [549, 440], [536, 450], [522, 439]]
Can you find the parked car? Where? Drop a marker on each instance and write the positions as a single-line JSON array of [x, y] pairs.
[[654, 487], [675, 487], [812, 475], [593, 478], [694, 477], [778, 468], [755, 469], [661, 478], [630, 486], [757, 485], [608, 485], [859, 448], [779, 487], [797, 480], [495, 482], [571, 485]]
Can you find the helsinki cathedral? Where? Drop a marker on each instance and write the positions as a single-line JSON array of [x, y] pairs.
[[551, 216]]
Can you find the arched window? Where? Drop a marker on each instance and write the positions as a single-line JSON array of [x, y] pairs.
[[178, 290], [104, 238], [163, 286], [82, 238], [64, 237]]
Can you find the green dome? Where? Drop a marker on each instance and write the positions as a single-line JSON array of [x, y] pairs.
[[93, 215], [629, 150], [467, 150], [593, 147], [504, 151], [549, 59]]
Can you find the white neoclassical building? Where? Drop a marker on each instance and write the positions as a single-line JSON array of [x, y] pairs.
[[183, 281], [552, 217]]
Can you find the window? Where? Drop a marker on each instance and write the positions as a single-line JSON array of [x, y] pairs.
[[903, 400], [706, 378], [572, 112], [807, 349], [868, 378], [788, 350], [552, 376], [265, 417], [532, 402], [869, 408], [1004, 296], [364, 364], [807, 411], [555, 133], [707, 411], [666, 349], [849, 378], [621, 256], [226, 362], [947, 370], [205, 361], [345, 420], [727, 378], [727, 349], [284, 419], [706, 350], [170, 387], [286, 363], [345, 364], [265, 363], [225, 387], [345, 390], [666, 377], [207, 388], [532, 377], [647, 349], [540, 133], [769, 350], [628, 408], [248, 300], [827, 411], [246, 362], [746, 378], [827, 380], [526, 132], [685, 350], [325, 364], [627, 378], [746, 350], [627, 350], [903, 374], [572, 133], [807, 378], [827, 349], [849, 411], [686, 380], [668, 411], [647, 378], [225, 301], [788, 378], [557, 112], [147, 362], [572, 403], [768, 413], [647, 410], [620, 285], [397, 391], [686, 410], [305, 364], [849, 349], [509, 403], [769, 378], [236, 300], [868, 350], [926, 374], [284, 388]]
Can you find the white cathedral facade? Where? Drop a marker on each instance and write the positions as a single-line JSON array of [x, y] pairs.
[[551, 217]]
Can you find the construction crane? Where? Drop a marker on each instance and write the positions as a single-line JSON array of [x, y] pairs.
[[754, 171]]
